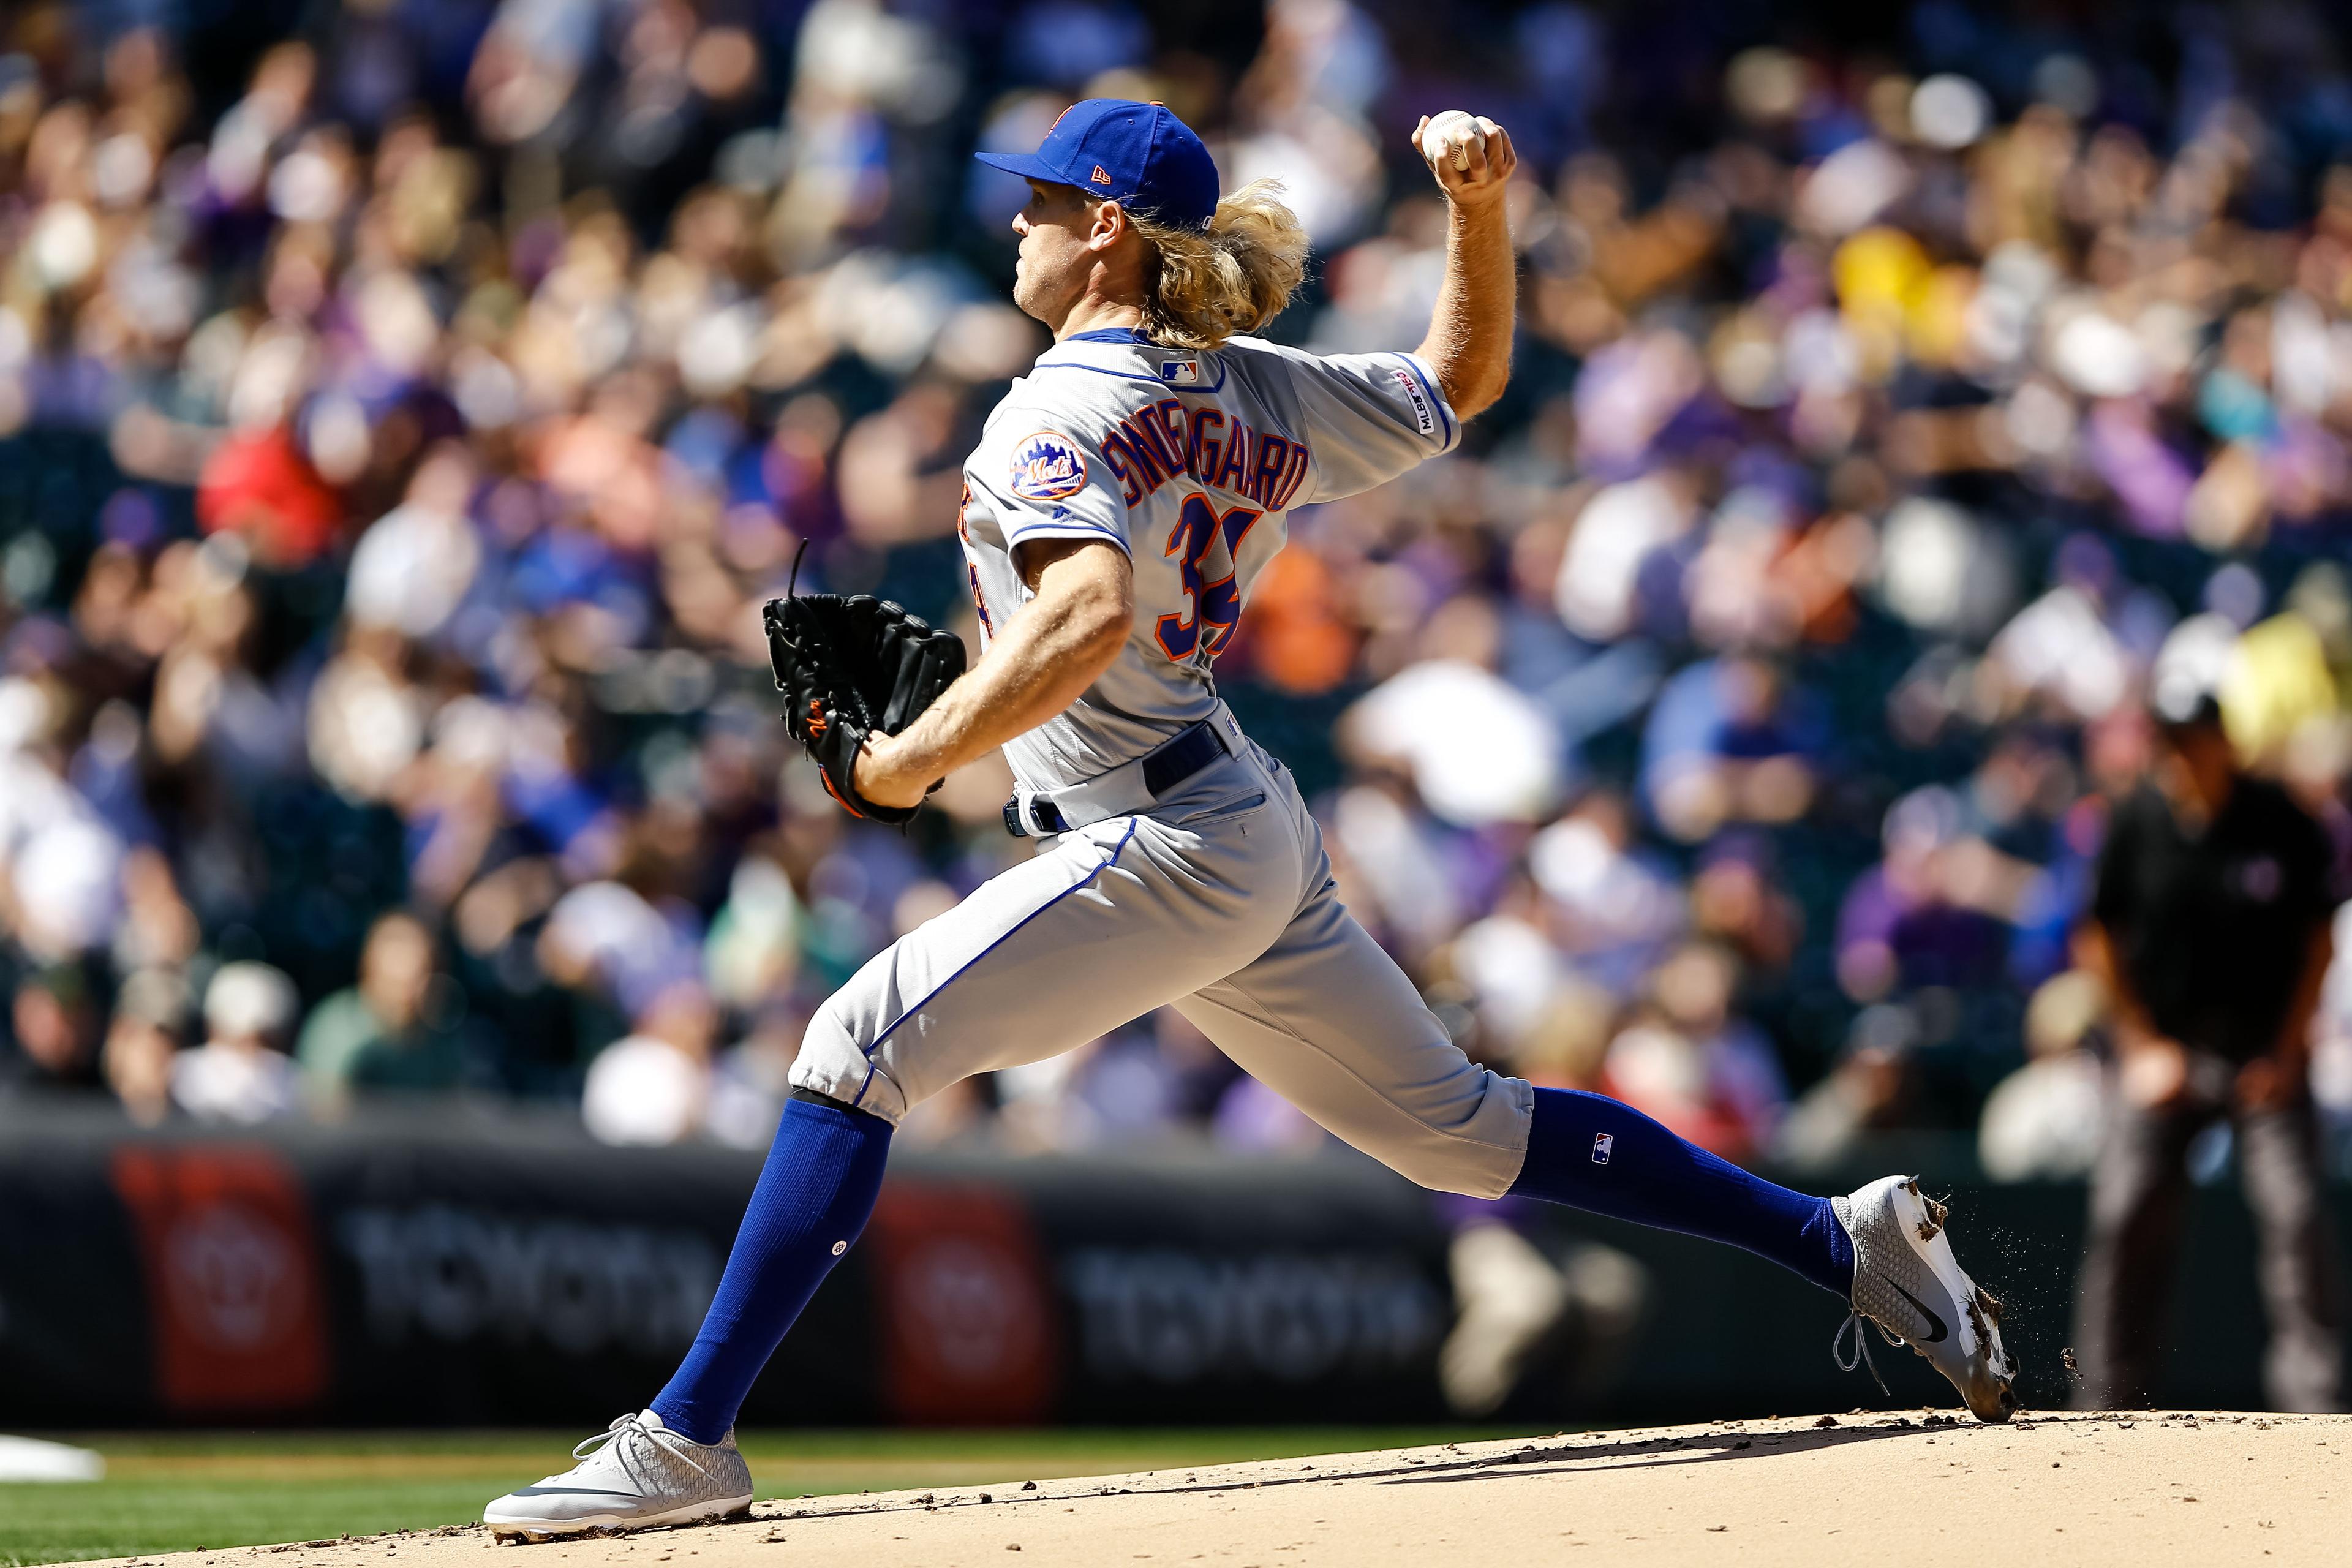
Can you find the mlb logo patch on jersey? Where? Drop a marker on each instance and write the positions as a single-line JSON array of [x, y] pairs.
[[1423, 414], [1603, 1142], [1180, 372], [1047, 466]]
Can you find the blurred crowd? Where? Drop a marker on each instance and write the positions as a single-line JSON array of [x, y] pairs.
[[405, 406]]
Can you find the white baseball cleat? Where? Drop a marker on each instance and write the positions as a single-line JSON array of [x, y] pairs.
[[634, 1475], [1906, 1282]]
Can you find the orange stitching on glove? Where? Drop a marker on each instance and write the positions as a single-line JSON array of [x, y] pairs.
[[838, 798]]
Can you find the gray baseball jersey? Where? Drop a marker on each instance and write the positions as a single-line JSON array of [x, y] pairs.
[[1190, 462], [1219, 900]]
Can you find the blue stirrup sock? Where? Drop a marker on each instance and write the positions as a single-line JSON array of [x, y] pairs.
[[1593, 1152], [814, 1196]]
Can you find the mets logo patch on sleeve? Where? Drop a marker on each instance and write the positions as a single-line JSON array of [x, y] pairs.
[[1423, 414], [1047, 466]]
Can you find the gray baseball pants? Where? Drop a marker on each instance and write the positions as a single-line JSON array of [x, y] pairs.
[[2140, 1202], [1219, 902]]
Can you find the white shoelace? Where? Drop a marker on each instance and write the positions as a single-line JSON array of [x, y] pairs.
[[662, 1435], [1862, 1356]]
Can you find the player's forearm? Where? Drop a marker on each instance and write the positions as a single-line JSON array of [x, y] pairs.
[[1024, 681], [1045, 659], [1469, 343]]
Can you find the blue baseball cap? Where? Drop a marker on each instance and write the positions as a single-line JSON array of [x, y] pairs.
[[1115, 148]]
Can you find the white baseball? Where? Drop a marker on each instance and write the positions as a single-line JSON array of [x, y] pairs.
[[1450, 131]]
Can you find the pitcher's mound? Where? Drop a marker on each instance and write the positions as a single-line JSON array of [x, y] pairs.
[[1873, 1490]]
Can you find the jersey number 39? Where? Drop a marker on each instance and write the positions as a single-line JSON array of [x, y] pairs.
[[1213, 608]]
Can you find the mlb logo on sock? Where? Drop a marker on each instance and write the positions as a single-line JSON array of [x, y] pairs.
[[1601, 1143]]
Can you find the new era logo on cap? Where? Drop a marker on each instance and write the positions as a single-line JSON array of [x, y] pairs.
[[1101, 175]]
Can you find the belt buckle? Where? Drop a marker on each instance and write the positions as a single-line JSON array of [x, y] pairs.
[[1025, 815], [1016, 812]]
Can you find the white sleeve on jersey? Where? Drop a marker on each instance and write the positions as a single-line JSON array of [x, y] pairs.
[[1370, 417], [1041, 480]]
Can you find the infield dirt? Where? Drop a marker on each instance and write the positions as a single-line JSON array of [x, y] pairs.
[[1915, 1489]]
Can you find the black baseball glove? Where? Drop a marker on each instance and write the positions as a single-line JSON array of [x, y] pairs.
[[849, 666]]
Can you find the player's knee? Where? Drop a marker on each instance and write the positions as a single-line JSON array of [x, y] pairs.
[[832, 1062], [1453, 1166], [1468, 1134]]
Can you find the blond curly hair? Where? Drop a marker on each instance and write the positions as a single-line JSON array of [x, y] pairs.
[[1202, 287]]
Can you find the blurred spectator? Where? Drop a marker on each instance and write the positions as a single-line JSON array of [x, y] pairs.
[[654, 1086], [2211, 929], [1935, 912], [241, 1073], [2044, 1121], [1614, 908], [1497, 756], [394, 1030], [1871, 1088], [55, 1024], [1729, 742], [143, 1044], [1690, 1063]]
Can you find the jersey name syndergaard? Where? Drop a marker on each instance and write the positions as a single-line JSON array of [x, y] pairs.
[[1206, 446]]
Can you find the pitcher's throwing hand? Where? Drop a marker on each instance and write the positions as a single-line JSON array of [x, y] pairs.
[[1470, 154]]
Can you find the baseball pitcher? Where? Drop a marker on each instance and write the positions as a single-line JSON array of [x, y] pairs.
[[1123, 499]]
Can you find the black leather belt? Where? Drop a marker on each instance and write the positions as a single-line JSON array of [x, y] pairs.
[[1165, 766], [1195, 747]]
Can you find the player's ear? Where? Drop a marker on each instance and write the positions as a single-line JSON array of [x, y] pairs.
[[1110, 222]]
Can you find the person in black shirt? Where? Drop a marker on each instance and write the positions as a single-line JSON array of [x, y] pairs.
[[2211, 924]]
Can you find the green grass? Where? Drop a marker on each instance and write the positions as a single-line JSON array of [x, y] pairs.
[[173, 1493]]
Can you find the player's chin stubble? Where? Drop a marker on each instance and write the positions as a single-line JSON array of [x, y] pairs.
[[1028, 294], [1043, 287]]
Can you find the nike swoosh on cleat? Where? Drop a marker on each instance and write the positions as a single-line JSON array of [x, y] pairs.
[[1934, 1321]]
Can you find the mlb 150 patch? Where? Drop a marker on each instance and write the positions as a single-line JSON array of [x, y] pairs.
[[1424, 415], [1047, 466]]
